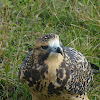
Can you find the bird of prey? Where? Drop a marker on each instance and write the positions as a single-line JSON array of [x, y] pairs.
[[54, 72]]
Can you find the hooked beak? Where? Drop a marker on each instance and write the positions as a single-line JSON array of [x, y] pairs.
[[59, 50]]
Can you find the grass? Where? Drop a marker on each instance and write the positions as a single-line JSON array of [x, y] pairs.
[[22, 21]]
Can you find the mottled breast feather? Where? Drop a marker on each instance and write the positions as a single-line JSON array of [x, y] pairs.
[[32, 70]]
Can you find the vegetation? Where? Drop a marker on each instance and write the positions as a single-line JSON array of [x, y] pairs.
[[22, 21]]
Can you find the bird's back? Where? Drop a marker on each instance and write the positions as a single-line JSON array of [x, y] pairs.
[[80, 71]]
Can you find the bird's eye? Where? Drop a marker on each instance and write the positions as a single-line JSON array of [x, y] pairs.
[[44, 47]]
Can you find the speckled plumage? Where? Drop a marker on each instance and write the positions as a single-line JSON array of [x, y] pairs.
[[54, 72]]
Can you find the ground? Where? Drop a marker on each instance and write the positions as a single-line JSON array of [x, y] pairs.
[[22, 21]]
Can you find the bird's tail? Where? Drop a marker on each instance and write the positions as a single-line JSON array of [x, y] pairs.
[[95, 68]]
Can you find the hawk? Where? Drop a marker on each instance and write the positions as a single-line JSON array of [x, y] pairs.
[[54, 72]]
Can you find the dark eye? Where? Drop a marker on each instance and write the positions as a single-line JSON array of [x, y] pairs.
[[44, 47]]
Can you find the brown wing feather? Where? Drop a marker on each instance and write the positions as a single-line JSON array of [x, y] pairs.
[[80, 71]]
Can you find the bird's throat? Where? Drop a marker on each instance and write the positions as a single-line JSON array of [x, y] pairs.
[[53, 62]]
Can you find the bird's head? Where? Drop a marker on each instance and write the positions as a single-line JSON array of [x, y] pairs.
[[48, 45]]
